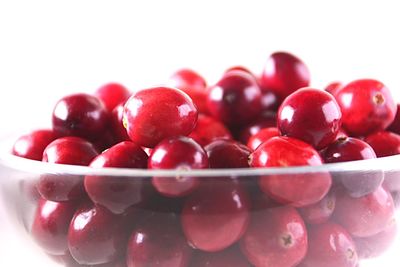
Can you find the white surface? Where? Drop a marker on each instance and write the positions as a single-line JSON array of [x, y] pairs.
[[50, 48]]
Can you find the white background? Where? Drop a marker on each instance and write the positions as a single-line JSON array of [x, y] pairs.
[[52, 48]]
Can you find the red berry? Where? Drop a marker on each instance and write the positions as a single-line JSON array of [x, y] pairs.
[[330, 245], [227, 154], [395, 126], [240, 68], [285, 152], [181, 153], [333, 87], [118, 193], [117, 126], [367, 107], [208, 129], [112, 95], [270, 101], [154, 114], [265, 120], [275, 237], [262, 136], [384, 143], [321, 211], [228, 257], [310, 115], [32, 145], [284, 73]]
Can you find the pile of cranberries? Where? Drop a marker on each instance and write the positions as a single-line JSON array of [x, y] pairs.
[[316, 219]]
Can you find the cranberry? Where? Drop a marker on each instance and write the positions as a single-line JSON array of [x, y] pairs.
[[227, 154], [395, 126], [66, 150], [367, 107], [330, 245], [50, 225], [364, 216], [105, 141], [270, 101], [96, 236], [80, 115], [321, 211], [156, 113], [275, 237], [117, 127], [216, 215], [296, 111], [208, 129], [228, 257], [384, 143], [235, 99], [112, 95], [262, 136], [333, 87], [265, 120], [284, 73], [181, 153], [239, 68], [32, 145], [284, 152], [118, 193]]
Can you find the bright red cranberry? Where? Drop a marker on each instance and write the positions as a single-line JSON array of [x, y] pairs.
[[265, 120], [66, 150], [319, 212], [117, 126], [235, 99], [364, 216], [285, 152], [262, 136], [367, 107], [310, 115], [208, 129], [50, 225], [96, 236], [32, 145], [284, 73], [80, 115], [395, 126], [118, 193], [216, 215], [228, 257], [275, 237], [157, 240], [227, 154], [384, 143], [154, 114], [333, 87], [112, 95], [330, 245], [180, 153]]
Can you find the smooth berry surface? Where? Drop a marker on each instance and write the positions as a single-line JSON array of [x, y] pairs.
[[333, 87], [384, 143], [227, 154], [264, 120], [270, 101], [33, 144], [112, 95], [395, 126], [262, 136], [228, 257], [208, 129], [117, 126], [321, 211]]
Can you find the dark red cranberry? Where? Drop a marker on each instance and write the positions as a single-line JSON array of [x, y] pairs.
[[384, 143], [227, 154], [80, 115], [270, 101], [284, 73], [180, 153], [319, 212], [333, 87], [157, 240], [96, 236], [118, 193], [265, 120], [66, 150], [105, 141], [235, 99], [367, 107], [154, 114], [117, 126], [262, 136], [395, 126], [208, 129], [50, 225], [32, 145], [285, 188], [112, 95], [228, 257], [275, 237], [330, 245], [216, 215], [239, 68], [310, 115], [364, 216]]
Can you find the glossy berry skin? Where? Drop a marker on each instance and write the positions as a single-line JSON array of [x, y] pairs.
[[270, 101], [319, 212], [96, 236], [208, 129], [71, 151], [180, 153], [117, 194], [32, 145], [284, 73], [227, 154], [80, 115], [117, 126], [384, 143], [333, 87], [50, 225], [364, 216], [153, 114], [284, 189], [112, 95], [310, 115], [265, 120], [215, 216], [235, 99], [395, 126], [330, 245], [367, 107], [228, 257], [262, 136], [275, 237]]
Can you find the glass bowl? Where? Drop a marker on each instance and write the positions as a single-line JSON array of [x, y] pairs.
[[228, 221]]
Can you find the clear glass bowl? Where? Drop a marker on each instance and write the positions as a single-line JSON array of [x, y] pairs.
[[229, 210]]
